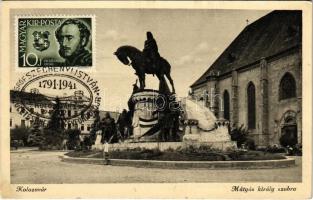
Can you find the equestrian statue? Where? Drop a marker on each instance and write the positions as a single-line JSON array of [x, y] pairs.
[[147, 61]]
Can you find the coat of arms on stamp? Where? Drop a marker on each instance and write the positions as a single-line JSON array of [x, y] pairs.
[[54, 42], [41, 40]]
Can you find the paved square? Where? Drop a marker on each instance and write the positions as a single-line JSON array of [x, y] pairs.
[[37, 167]]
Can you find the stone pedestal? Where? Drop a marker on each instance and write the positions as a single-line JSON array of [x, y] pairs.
[[217, 138], [98, 144], [145, 115]]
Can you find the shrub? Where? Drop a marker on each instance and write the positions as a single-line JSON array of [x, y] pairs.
[[150, 153], [73, 142], [52, 140], [20, 134], [155, 154], [275, 149], [189, 149], [170, 149], [253, 155], [240, 135], [295, 150], [205, 148], [87, 143], [36, 139], [97, 154], [250, 144]]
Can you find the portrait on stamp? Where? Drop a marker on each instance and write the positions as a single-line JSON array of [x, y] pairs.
[[54, 42], [73, 36]]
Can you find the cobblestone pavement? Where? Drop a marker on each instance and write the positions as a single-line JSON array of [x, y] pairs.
[[35, 167]]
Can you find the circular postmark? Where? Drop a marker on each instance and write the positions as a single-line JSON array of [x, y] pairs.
[[39, 90]]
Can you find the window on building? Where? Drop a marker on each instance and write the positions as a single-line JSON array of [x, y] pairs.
[[11, 122], [69, 113], [31, 110], [69, 126], [88, 128], [43, 111], [226, 105], [251, 106], [287, 87], [23, 124], [82, 127], [75, 112], [10, 109]]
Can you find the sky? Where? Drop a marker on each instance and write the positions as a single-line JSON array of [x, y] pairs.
[[191, 40]]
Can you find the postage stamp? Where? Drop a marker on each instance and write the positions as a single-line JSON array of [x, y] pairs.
[[54, 41]]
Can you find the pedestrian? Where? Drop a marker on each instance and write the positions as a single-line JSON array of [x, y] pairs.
[[106, 152]]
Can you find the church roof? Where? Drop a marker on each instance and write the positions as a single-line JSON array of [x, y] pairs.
[[272, 34]]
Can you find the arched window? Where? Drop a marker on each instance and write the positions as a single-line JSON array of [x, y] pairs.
[[287, 87], [226, 105], [251, 106]]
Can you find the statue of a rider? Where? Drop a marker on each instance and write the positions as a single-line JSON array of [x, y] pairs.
[[150, 51]]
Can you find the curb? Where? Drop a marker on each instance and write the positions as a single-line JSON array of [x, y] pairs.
[[256, 164]]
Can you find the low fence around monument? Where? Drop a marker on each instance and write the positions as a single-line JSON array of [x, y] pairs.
[[252, 164]]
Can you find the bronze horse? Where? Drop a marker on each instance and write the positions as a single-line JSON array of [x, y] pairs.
[[129, 55]]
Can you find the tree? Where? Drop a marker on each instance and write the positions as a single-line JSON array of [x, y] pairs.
[[57, 118], [96, 126], [54, 132], [36, 137]]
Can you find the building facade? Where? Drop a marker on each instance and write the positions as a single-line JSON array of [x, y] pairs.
[[257, 81], [35, 102]]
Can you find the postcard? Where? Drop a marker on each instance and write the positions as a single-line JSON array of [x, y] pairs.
[[156, 99]]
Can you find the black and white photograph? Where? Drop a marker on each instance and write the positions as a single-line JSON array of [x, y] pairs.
[[159, 95]]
